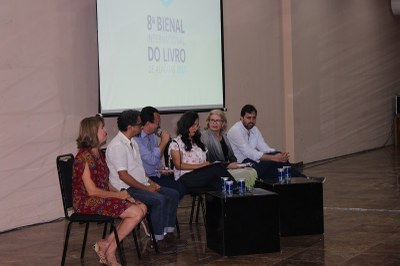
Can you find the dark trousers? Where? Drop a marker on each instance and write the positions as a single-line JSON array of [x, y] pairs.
[[269, 169], [169, 181], [206, 177]]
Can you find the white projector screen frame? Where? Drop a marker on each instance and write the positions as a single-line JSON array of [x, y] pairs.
[[163, 53]]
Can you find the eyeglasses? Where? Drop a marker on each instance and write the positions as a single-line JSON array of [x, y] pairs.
[[216, 120]]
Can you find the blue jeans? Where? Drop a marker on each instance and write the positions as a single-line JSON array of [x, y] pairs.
[[169, 182], [162, 208]]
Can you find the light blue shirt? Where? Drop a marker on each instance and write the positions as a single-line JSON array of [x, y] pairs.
[[149, 152]]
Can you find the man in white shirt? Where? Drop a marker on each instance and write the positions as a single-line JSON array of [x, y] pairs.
[[248, 145], [127, 172]]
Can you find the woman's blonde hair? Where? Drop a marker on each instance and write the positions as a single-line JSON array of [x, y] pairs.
[[222, 116], [88, 132]]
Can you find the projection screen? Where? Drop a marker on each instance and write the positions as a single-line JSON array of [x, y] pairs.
[[163, 53]]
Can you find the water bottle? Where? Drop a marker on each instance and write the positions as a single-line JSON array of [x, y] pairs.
[[287, 173], [281, 174], [223, 183], [241, 185], [229, 187]]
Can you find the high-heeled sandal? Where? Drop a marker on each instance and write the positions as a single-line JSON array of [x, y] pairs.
[[100, 254], [115, 263]]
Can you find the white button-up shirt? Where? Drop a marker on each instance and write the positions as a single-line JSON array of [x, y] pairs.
[[121, 156], [247, 143]]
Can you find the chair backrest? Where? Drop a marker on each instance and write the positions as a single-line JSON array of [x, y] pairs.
[[167, 159], [64, 168]]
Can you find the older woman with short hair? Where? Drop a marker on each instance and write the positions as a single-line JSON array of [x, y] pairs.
[[219, 148]]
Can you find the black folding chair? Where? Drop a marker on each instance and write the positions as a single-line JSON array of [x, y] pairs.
[[64, 168]]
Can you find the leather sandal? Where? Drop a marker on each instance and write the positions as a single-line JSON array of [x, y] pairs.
[[100, 254]]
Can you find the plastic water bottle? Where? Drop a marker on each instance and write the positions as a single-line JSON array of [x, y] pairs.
[[287, 172], [281, 174], [241, 185], [229, 187], [223, 183]]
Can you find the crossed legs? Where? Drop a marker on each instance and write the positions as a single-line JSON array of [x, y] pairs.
[[130, 218]]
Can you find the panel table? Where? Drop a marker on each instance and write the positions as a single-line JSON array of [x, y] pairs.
[[242, 224], [300, 205]]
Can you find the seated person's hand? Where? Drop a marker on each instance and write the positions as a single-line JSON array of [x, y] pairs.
[[166, 171], [233, 165], [123, 194], [165, 136], [285, 156], [281, 157], [153, 187], [204, 164], [134, 201]]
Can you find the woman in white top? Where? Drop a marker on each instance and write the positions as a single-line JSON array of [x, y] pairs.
[[188, 154]]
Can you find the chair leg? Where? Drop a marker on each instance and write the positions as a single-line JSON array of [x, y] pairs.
[[203, 210], [152, 233], [135, 239], [119, 248], [192, 211], [178, 230], [66, 243], [200, 204], [105, 230], [198, 208], [84, 240]]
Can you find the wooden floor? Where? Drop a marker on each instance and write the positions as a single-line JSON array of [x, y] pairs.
[[361, 213]]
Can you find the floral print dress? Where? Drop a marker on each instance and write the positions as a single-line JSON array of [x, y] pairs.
[[82, 202]]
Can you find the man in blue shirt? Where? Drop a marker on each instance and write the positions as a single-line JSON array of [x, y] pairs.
[[152, 150]]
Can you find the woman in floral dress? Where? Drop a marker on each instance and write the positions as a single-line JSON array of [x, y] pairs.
[[91, 191]]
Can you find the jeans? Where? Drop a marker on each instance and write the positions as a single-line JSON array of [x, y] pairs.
[[162, 208], [169, 182]]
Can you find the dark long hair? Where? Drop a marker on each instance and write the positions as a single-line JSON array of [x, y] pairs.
[[185, 122]]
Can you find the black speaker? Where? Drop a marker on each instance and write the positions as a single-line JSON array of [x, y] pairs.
[[397, 103]]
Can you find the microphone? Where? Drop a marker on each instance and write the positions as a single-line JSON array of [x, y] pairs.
[[159, 132]]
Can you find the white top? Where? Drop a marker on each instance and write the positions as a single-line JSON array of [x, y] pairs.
[[121, 156], [247, 143], [195, 156]]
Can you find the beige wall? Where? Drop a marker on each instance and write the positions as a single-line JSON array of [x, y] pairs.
[[344, 76], [48, 74], [346, 63]]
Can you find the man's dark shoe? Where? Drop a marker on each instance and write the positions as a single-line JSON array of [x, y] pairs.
[[165, 248], [173, 240], [317, 178], [298, 166]]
